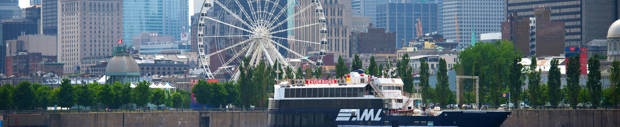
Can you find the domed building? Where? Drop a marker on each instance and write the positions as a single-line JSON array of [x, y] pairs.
[[613, 42], [122, 67]]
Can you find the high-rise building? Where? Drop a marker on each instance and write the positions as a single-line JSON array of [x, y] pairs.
[[567, 11], [10, 30], [33, 44], [474, 17], [175, 16], [338, 14], [35, 2], [33, 14], [402, 18], [49, 16], [356, 7], [87, 32], [367, 42], [194, 32], [597, 15], [360, 24], [9, 9], [141, 16], [585, 20], [535, 36], [367, 8], [166, 17]]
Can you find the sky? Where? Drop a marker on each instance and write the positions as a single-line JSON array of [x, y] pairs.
[[24, 3]]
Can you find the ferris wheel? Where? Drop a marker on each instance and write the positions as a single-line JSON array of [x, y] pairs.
[[285, 32]]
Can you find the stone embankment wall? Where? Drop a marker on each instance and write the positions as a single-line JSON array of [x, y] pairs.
[[139, 119], [563, 118], [518, 118]]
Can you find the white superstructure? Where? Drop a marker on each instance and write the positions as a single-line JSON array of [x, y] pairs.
[[351, 86]]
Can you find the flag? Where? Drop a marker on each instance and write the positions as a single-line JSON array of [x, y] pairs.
[[120, 42], [505, 95]]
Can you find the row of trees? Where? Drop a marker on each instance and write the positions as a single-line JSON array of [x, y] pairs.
[[27, 96], [253, 87], [373, 68], [499, 70], [441, 94]]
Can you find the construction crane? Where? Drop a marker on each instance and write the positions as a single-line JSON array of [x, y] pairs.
[[458, 34]]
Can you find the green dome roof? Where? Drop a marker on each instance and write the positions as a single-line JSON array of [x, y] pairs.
[[122, 65]]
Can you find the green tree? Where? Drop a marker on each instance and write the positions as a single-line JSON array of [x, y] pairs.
[[533, 86], [186, 97], [212, 94], [43, 96], [6, 97], [318, 72], [341, 68], [594, 80], [544, 98], [372, 67], [554, 82], [427, 94], [442, 88], [105, 95], [201, 92], [515, 81], [24, 96], [405, 71], [380, 71], [490, 62], [177, 100], [66, 96], [159, 97], [233, 93], [357, 63], [572, 80], [615, 82], [245, 81], [299, 73], [583, 96], [142, 94], [53, 97], [122, 94], [289, 72], [84, 96], [261, 80], [609, 98]]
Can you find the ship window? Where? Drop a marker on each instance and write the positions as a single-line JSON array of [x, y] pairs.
[[298, 92], [313, 92], [338, 92]]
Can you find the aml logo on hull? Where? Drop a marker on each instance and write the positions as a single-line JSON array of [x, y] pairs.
[[354, 115]]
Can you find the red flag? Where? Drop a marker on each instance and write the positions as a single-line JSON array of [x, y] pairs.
[[120, 42]]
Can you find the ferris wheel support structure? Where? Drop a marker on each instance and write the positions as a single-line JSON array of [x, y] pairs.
[[255, 29]]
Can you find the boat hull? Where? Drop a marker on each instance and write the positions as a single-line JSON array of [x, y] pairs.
[[369, 112]]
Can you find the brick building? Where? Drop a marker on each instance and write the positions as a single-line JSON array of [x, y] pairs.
[[535, 36], [376, 40]]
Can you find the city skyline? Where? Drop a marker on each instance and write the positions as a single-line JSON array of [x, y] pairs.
[[420, 27]]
